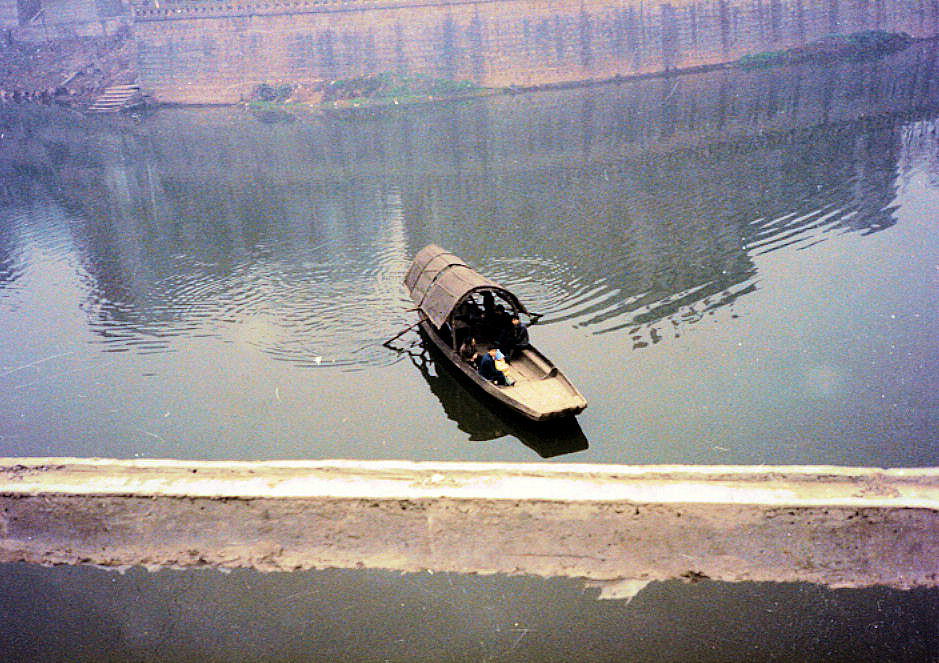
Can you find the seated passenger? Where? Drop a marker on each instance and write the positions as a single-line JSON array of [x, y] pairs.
[[469, 311], [515, 339], [496, 322], [468, 351], [487, 369], [466, 319]]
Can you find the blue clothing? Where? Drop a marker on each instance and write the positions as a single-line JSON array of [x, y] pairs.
[[487, 369]]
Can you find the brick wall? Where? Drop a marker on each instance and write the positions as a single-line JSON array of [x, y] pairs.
[[209, 50]]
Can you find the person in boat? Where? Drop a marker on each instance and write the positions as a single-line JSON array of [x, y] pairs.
[[496, 323], [469, 311], [489, 324], [466, 318], [489, 304], [488, 370], [469, 353], [514, 339]]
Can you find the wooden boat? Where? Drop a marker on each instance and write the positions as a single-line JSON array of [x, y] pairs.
[[441, 284]]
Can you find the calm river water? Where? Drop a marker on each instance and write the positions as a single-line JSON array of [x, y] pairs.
[[734, 267], [78, 614]]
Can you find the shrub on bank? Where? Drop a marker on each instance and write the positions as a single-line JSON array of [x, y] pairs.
[[388, 86], [870, 44]]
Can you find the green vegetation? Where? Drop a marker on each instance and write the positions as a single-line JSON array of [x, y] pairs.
[[387, 88], [278, 94], [374, 90], [867, 45]]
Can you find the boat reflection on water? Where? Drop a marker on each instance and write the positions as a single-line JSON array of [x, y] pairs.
[[487, 419]]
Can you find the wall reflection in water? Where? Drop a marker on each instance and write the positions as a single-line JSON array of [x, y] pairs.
[[611, 207], [629, 212]]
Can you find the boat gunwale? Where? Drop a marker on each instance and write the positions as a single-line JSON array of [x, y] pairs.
[[432, 320], [494, 390]]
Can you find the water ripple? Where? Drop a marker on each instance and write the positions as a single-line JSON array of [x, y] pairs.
[[309, 270], [332, 312]]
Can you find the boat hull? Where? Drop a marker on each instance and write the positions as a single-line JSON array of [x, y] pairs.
[[541, 391]]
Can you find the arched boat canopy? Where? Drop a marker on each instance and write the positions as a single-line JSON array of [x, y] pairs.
[[439, 281]]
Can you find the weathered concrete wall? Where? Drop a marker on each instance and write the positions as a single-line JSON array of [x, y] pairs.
[[70, 11], [209, 50], [493, 135], [835, 526], [40, 20], [9, 15]]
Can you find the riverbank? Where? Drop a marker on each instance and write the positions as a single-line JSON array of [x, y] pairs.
[[76, 72], [363, 92], [68, 72], [387, 89], [866, 45]]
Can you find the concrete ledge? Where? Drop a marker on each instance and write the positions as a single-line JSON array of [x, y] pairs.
[[830, 525]]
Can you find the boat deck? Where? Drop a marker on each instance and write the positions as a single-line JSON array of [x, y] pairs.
[[455, 301], [539, 385]]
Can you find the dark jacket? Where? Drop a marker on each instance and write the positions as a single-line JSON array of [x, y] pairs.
[[518, 335], [468, 350], [487, 368], [514, 339]]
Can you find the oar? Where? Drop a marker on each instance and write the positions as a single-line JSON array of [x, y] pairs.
[[404, 331]]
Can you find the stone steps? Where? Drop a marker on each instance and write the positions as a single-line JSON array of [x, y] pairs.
[[115, 98]]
